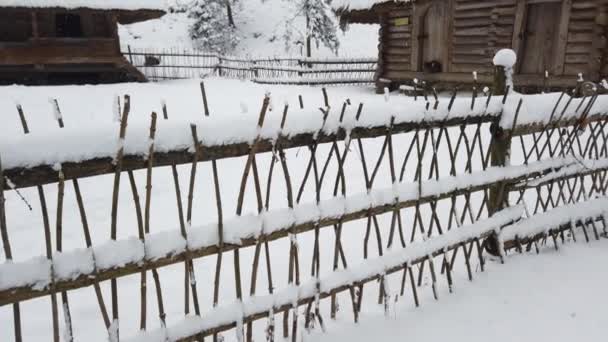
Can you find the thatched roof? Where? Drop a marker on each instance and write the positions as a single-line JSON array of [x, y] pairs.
[[128, 11]]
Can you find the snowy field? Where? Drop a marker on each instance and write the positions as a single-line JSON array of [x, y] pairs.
[[497, 300], [261, 24], [554, 296]]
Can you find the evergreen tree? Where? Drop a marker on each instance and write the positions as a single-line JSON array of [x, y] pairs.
[[321, 26], [212, 29]]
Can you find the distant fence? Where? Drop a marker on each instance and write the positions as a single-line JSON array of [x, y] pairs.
[[158, 65], [450, 187]]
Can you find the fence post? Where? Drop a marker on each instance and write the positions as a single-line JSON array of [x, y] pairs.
[[255, 69], [500, 150], [219, 66], [130, 54], [300, 65]]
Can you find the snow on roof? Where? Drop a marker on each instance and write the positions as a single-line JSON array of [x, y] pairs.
[[359, 4], [124, 5]]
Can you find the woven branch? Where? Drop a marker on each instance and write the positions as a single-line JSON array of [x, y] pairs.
[[24, 293]]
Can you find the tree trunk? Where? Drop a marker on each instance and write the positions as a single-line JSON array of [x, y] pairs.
[[308, 40], [229, 13]]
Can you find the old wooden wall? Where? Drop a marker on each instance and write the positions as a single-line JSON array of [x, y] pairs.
[[476, 29], [480, 29], [395, 42]]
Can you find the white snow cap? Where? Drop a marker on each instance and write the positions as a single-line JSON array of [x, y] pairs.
[[506, 58], [128, 5], [360, 4]]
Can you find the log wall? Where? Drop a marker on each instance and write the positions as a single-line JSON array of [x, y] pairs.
[[396, 39], [477, 29], [580, 36], [480, 29]]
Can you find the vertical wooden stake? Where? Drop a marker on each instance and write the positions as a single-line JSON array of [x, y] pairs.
[[116, 188], [204, 94], [8, 254]]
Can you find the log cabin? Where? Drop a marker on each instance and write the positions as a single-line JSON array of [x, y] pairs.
[[68, 41], [448, 41]]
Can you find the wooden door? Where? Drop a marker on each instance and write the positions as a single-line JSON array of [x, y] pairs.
[[433, 38], [540, 36]]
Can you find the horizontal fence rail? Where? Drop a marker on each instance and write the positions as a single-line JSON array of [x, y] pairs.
[[158, 65], [429, 200]]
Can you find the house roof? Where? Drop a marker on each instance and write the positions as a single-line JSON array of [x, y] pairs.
[[354, 5], [123, 5], [360, 11], [128, 11]]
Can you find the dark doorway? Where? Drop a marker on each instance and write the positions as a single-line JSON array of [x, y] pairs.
[[15, 26], [540, 37], [68, 25]]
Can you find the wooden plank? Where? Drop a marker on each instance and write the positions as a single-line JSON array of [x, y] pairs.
[[418, 11], [578, 48], [472, 59], [392, 28], [484, 13], [469, 68], [560, 51], [540, 38], [45, 51], [483, 22], [599, 43], [401, 36], [450, 77], [40, 175], [399, 13], [398, 43], [480, 41], [577, 58], [483, 31], [580, 37], [518, 30], [449, 50], [484, 4], [581, 26], [397, 59], [574, 69]]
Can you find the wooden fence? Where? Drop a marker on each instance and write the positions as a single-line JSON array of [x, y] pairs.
[[454, 188], [158, 65]]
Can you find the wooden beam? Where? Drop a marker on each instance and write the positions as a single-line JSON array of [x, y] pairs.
[[449, 27], [26, 177], [35, 31], [13, 295], [416, 23], [562, 40], [598, 43], [518, 30], [384, 23]]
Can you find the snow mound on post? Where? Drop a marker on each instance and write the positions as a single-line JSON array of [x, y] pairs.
[[505, 58]]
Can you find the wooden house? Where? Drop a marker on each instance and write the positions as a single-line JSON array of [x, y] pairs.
[[68, 41], [447, 41]]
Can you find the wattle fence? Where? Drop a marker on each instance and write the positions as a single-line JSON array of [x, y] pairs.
[[455, 185], [159, 65]]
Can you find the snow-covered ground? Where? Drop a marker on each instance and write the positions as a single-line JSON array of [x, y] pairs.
[[554, 296], [261, 24]]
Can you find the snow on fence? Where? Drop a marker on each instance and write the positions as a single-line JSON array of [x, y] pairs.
[[158, 65], [495, 177]]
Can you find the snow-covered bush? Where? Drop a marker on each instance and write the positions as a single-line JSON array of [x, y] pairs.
[[212, 29]]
